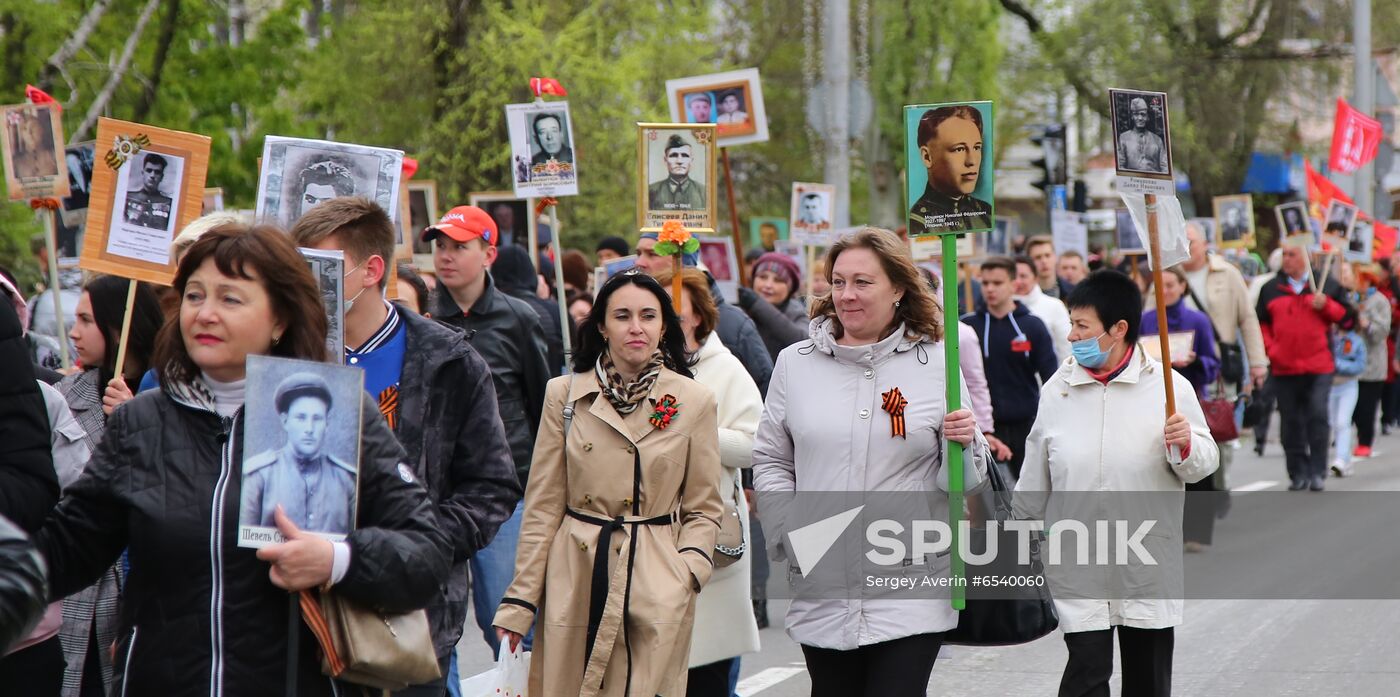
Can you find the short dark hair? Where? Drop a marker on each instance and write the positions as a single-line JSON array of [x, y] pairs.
[[154, 159], [1006, 264], [107, 295], [331, 172], [675, 141], [1023, 259], [615, 244], [1113, 297], [588, 343], [420, 287], [812, 195], [930, 121], [359, 224], [535, 124]]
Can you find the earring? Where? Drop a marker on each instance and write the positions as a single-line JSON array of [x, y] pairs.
[[896, 303], [276, 339]]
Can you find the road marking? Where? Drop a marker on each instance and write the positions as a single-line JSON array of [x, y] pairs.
[[1257, 486], [764, 679]]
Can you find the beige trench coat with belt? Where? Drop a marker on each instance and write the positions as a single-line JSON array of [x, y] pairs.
[[652, 496]]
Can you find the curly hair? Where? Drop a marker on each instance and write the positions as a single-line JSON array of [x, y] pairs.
[[918, 310]]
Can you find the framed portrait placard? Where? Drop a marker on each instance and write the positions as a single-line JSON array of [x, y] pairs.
[[947, 188], [1179, 343], [542, 149], [422, 212], [1234, 221], [717, 254], [298, 174], [147, 184], [1142, 142], [733, 101], [32, 148], [514, 216], [73, 208], [765, 231], [1360, 240], [1293, 225], [301, 434], [1339, 221], [676, 176], [1126, 235], [813, 208]]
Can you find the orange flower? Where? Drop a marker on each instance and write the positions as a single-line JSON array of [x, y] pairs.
[[674, 231]]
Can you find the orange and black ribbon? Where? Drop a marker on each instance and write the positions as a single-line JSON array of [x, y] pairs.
[[894, 403]]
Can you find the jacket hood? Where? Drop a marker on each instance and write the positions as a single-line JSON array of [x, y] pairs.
[[513, 270], [819, 330], [711, 348]]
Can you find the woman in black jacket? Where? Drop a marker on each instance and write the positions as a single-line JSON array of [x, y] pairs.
[[200, 614]]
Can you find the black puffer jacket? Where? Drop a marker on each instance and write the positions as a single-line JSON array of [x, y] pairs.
[[199, 615], [447, 402], [507, 333], [28, 485], [22, 587]]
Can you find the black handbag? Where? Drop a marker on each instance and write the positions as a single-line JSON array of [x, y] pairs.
[[1003, 615], [1231, 357]]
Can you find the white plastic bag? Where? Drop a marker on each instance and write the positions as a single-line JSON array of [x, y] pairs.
[[510, 677]]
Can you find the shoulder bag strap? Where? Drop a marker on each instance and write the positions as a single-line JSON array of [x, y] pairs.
[[569, 410]]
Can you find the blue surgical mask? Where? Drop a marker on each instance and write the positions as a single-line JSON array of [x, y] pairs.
[[1088, 354]]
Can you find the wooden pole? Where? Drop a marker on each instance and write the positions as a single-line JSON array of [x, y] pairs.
[[1326, 269], [119, 370], [676, 282], [1156, 245], [532, 236], [50, 223], [734, 218], [558, 283]]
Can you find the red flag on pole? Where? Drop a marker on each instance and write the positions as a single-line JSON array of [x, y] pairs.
[[410, 167], [38, 96], [541, 86], [1355, 138]]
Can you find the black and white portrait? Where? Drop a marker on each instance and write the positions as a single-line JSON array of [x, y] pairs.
[[1292, 219], [152, 185], [1359, 241], [1141, 141], [1234, 221], [78, 159], [677, 166], [512, 216], [811, 213], [297, 175], [422, 212], [542, 149], [1340, 219], [300, 448], [328, 268]]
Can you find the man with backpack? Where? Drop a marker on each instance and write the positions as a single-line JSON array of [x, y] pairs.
[[1296, 319]]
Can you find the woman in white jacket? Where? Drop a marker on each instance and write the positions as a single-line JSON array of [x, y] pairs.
[[724, 621], [1103, 448], [828, 426]]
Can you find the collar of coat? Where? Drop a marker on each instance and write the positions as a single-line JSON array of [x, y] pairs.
[[1140, 363], [635, 426], [819, 331]]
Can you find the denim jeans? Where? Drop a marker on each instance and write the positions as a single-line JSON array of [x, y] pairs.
[[1341, 404], [492, 569], [454, 681]]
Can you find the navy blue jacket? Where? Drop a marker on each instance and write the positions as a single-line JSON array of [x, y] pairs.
[[1012, 375]]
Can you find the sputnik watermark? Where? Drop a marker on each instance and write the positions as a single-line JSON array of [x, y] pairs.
[[891, 550]]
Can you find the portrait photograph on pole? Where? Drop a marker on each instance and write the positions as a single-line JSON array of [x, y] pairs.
[[542, 149], [947, 187], [1293, 224], [73, 208], [733, 101], [32, 148], [1234, 221], [299, 174], [676, 176], [1141, 142], [812, 211]]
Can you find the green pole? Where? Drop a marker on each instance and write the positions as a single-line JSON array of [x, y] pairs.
[[952, 450]]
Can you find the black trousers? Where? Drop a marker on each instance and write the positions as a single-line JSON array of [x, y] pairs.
[[897, 668], [1264, 397], [1147, 662], [1390, 403], [1013, 434], [36, 671], [709, 680], [1364, 417], [1303, 423]]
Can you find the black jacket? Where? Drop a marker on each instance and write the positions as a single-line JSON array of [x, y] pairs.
[[28, 485], [199, 615], [23, 592], [454, 440], [1014, 377], [776, 327], [738, 334], [507, 334], [515, 276]]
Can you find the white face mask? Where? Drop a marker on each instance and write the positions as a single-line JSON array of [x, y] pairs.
[[351, 302]]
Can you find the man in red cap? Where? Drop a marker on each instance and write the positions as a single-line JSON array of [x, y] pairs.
[[506, 332]]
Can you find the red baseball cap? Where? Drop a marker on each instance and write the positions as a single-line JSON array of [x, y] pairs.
[[463, 224]]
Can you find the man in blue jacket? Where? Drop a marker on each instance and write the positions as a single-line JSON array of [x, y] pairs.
[[1017, 354]]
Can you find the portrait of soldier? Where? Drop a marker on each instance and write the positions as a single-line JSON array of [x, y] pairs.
[[549, 135], [678, 191], [812, 210], [950, 145], [700, 108], [1233, 225], [315, 489], [1139, 149], [321, 181], [149, 206]]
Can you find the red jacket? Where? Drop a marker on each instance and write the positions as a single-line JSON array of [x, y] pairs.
[[1295, 334]]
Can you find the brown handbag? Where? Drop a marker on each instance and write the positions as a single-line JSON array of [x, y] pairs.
[[367, 647]]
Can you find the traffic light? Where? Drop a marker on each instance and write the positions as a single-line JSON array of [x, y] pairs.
[[1080, 198], [1051, 140]]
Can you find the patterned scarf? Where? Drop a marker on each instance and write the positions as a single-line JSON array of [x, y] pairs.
[[625, 397]]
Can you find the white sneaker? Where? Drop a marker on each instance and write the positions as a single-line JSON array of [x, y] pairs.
[[1341, 469]]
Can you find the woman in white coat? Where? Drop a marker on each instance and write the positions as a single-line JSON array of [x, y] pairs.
[[724, 622], [1101, 428], [861, 408]]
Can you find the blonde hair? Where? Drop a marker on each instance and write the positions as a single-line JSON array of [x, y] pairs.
[[201, 225], [918, 309]]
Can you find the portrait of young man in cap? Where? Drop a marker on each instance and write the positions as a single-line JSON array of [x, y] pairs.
[[315, 489]]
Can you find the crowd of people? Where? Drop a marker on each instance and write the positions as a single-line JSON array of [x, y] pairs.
[[577, 492]]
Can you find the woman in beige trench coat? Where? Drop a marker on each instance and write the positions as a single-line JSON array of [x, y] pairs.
[[622, 507]]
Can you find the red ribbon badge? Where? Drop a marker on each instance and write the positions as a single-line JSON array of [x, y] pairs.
[[894, 403]]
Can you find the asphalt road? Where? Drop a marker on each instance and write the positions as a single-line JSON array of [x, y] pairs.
[[1229, 644]]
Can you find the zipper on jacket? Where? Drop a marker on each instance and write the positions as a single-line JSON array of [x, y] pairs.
[[228, 435], [126, 665]]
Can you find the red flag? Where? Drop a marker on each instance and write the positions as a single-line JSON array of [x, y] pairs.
[[547, 85], [1355, 139], [1383, 240], [38, 96], [410, 167]]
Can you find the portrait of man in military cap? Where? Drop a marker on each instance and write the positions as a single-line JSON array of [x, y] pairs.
[[679, 191], [303, 466]]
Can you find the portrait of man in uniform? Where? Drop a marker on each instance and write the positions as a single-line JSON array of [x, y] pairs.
[[550, 138], [315, 489], [149, 206], [1234, 220], [1141, 147], [950, 142], [678, 191]]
